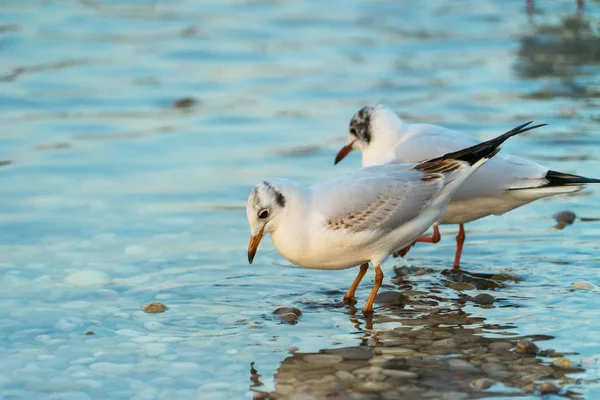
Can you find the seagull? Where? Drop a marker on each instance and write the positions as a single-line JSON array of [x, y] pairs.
[[503, 184], [363, 216]]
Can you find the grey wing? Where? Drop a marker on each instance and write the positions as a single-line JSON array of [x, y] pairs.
[[370, 203]]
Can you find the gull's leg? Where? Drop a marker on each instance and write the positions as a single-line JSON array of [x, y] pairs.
[[368, 309], [580, 6], [423, 239], [349, 297], [460, 240], [434, 238]]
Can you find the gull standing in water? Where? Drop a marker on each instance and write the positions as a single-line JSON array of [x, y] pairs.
[[501, 185], [363, 216]]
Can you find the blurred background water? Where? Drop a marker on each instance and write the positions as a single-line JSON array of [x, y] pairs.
[[133, 131]]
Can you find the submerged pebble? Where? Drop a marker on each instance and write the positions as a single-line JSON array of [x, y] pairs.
[[288, 315], [549, 388], [366, 387], [563, 363], [460, 286], [391, 298], [154, 308], [526, 346], [582, 286], [484, 299], [482, 383], [564, 218]]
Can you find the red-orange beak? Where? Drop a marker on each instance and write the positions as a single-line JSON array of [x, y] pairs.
[[343, 152], [253, 245]]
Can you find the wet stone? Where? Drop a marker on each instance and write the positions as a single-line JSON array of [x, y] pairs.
[[549, 388], [184, 102], [460, 286], [391, 298], [322, 359], [345, 376], [526, 346], [154, 308], [456, 364], [582, 286], [483, 299], [395, 351], [444, 343], [89, 333], [352, 353], [400, 374], [563, 363], [490, 368], [564, 218], [500, 346], [482, 383], [287, 315], [368, 386]]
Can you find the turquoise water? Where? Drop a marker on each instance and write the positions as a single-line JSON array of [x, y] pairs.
[[112, 197]]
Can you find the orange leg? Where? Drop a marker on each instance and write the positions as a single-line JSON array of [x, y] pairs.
[[460, 240], [349, 297], [368, 309], [434, 238]]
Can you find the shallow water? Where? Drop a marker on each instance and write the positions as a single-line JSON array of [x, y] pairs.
[[116, 193]]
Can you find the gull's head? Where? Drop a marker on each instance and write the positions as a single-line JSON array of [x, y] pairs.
[[371, 125], [265, 206]]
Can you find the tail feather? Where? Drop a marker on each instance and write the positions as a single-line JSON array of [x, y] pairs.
[[482, 150]]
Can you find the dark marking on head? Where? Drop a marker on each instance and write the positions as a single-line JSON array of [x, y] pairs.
[[360, 124], [279, 198]]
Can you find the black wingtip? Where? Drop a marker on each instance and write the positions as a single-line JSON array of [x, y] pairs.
[[562, 179], [486, 149]]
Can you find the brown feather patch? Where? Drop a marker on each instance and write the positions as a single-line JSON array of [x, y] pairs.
[[439, 166]]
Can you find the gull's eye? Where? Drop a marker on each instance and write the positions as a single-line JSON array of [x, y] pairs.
[[353, 132], [263, 214]]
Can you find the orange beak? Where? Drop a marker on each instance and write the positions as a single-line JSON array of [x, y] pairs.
[[343, 152], [253, 245]]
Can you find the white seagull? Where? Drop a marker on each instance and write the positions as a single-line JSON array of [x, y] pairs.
[[501, 185], [362, 216]]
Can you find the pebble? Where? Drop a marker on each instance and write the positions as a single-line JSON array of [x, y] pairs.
[[500, 346], [549, 388], [484, 299], [582, 286], [457, 364], [87, 278], [526, 346], [444, 343], [154, 308], [288, 315], [322, 359], [490, 368], [367, 370], [184, 102], [394, 373], [89, 333], [391, 298], [394, 351], [352, 353], [460, 286], [482, 383], [563, 363], [367, 387], [564, 218], [345, 376]]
